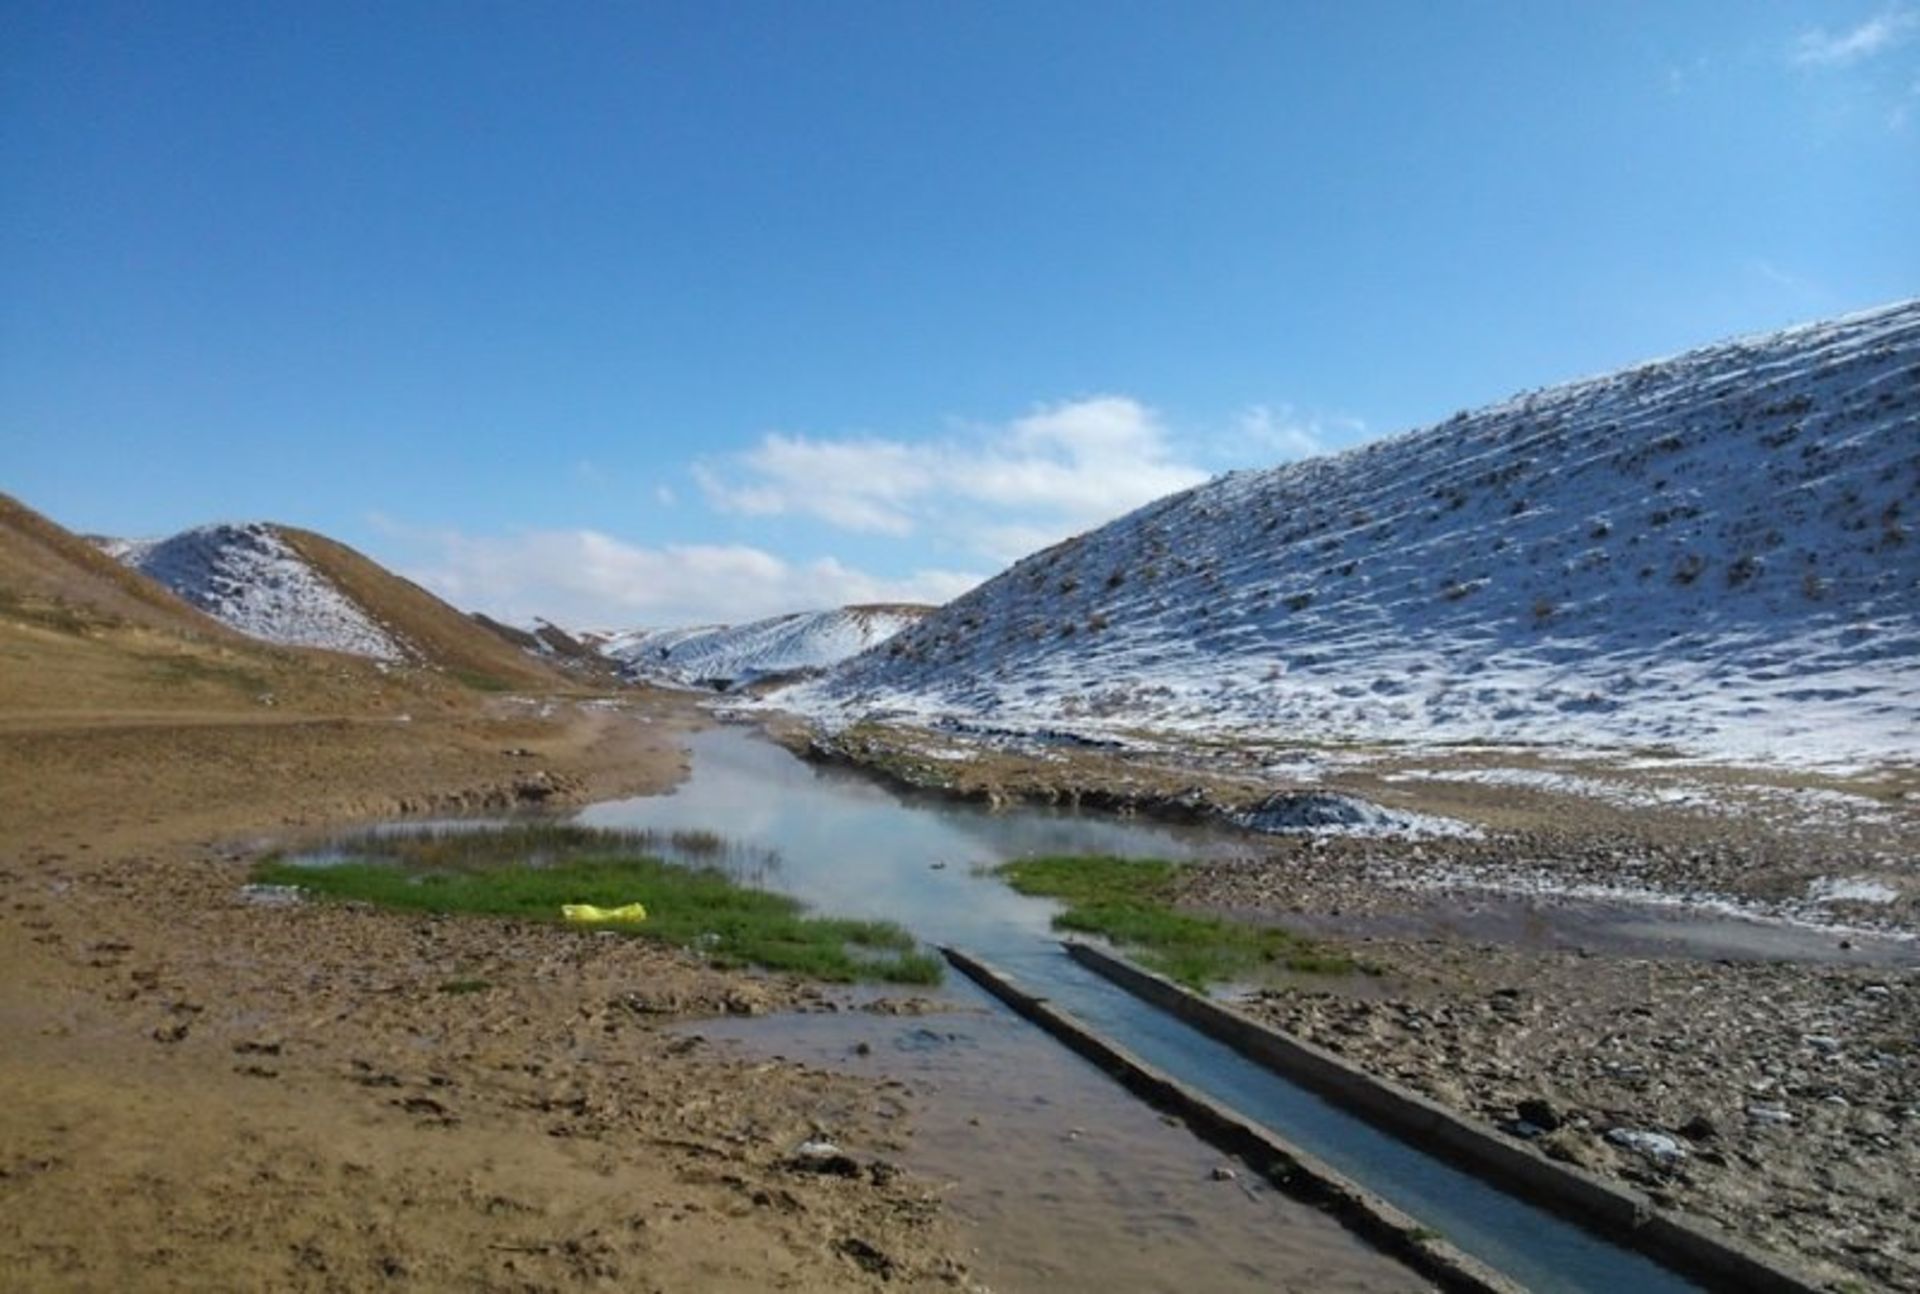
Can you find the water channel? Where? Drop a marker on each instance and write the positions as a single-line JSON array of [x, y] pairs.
[[852, 847]]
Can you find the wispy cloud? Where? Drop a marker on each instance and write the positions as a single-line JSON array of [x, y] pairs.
[[585, 577], [989, 492], [1822, 48], [997, 491], [1265, 432]]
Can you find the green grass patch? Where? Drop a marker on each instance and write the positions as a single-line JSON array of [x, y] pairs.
[[1130, 902], [530, 871]]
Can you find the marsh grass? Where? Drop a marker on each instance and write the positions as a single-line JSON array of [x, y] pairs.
[[469, 846], [528, 871], [1130, 902]]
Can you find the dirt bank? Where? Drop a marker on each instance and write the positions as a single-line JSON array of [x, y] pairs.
[[201, 1091]]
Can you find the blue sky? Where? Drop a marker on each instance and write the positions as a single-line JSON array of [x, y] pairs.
[[647, 313]]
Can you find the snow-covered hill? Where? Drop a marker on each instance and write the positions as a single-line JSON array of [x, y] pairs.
[[729, 654], [1715, 552], [249, 577], [302, 589]]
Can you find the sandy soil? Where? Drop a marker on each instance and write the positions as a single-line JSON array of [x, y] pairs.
[[200, 1091]]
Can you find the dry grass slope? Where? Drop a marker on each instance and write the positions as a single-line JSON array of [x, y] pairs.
[[85, 639], [48, 573], [443, 636]]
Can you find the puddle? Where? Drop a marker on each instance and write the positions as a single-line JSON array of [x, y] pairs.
[[1067, 1181], [851, 847]]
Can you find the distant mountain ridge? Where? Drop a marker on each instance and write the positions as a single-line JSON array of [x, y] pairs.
[[1714, 552], [710, 655]]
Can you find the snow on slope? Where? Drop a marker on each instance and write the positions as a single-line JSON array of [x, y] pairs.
[[247, 576], [779, 645], [1715, 552]]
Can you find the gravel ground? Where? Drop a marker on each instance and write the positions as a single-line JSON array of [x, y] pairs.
[[1660, 983], [1781, 1101]]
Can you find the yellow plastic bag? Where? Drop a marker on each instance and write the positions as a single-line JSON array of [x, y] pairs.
[[587, 912]]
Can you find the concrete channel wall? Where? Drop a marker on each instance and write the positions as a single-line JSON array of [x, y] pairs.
[[1289, 1168], [1716, 1260]]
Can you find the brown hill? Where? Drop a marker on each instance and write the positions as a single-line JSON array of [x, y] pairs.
[[557, 647], [86, 639], [439, 634], [51, 576]]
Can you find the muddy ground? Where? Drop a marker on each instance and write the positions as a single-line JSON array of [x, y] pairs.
[[300, 1097], [199, 1091]]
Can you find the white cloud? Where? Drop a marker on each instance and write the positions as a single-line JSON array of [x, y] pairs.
[[859, 485], [584, 577], [1821, 48], [1278, 431], [985, 489]]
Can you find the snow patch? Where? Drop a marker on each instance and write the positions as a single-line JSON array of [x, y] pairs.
[[249, 578], [1333, 813], [731, 654], [1850, 889], [1711, 556]]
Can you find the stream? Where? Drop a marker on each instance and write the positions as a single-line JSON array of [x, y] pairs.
[[1047, 1156]]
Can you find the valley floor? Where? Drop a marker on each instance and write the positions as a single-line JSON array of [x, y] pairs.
[[201, 1091], [1703, 982]]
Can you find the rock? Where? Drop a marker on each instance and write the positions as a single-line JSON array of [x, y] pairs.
[[1540, 1113], [866, 1257], [1657, 1146], [746, 1000], [1699, 1128], [1221, 1173], [1769, 1114], [821, 1156], [1567, 1148]]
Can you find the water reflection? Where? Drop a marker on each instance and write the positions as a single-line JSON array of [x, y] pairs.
[[851, 847]]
